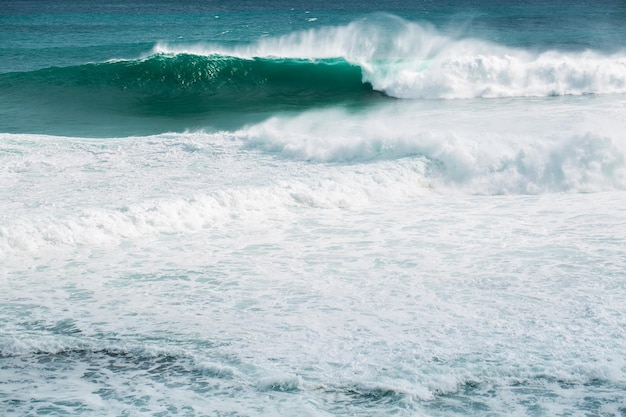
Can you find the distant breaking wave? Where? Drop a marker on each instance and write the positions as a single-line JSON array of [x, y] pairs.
[[410, 60]]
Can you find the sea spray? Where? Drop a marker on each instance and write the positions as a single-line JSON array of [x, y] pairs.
[[414, 60]]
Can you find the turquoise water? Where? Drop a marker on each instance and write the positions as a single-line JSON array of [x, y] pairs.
[[312, 209], [120, 69]]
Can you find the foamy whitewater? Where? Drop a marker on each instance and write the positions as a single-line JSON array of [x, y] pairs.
[[312, 210]]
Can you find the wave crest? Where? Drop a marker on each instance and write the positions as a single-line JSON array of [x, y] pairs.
[[414, 60]]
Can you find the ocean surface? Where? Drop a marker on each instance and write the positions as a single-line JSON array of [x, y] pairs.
[[321, 208]]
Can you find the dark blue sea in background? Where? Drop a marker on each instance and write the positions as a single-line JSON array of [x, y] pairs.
[[290, 208]]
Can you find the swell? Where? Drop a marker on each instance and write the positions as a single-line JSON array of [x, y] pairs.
[[176, 86]]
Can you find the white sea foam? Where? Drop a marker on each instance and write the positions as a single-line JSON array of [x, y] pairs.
[[489, 151], [280, 383], [410, 60], [64, 192], [88, 226], [414, 305]]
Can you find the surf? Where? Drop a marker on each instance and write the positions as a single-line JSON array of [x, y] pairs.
[[415, 60], [226, 86]]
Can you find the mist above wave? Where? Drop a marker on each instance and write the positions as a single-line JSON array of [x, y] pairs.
[[414, 60]]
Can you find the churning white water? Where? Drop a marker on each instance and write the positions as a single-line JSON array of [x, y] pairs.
[[432, 258]]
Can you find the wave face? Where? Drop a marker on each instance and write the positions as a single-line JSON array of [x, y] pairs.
[[185, 85]]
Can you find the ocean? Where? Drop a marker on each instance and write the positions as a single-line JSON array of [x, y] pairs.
[[312, 208]]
